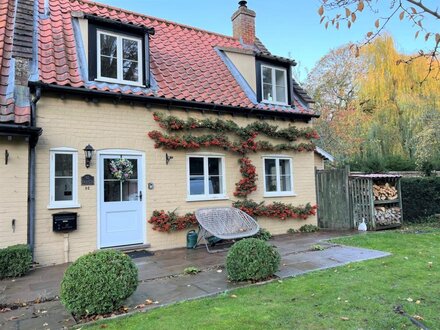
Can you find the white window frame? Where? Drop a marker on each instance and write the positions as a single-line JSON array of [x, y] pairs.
[[273, 69], [206, 196], [53, 204], [278, 192], [120, 60]]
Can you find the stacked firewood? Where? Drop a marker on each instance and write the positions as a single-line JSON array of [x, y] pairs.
[[384, 192], [387, 216]]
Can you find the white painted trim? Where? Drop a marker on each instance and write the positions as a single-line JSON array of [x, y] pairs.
[[124, 152], [273, 69], [206, 196], [278, 193], [120, 59], [53, 204]]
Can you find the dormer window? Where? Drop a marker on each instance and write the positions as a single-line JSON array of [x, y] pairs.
[[274, 85], [119, 58]]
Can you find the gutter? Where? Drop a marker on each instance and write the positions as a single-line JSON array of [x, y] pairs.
[[166, 102], [31, 184]]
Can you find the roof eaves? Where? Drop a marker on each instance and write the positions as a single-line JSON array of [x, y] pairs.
[[324, 154]]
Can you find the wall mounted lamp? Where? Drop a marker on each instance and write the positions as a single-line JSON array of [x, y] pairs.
[[88, 152]]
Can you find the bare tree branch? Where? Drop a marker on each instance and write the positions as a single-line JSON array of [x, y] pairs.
[[419, 4]]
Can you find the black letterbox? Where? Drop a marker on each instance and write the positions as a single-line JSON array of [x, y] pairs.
[[64, 221]]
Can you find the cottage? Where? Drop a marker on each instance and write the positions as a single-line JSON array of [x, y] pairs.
[[110, 119]]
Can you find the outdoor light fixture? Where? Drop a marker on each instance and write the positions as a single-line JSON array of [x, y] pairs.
[[168, 158], [88, 151]]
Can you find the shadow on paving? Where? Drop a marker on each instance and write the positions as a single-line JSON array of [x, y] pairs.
[[161, 279]]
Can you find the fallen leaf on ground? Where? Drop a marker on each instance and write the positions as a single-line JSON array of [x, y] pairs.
[[418, 317], [219, 271], [13, 318], [343, 318], [103, 326], [409, 299], [233, 296], [418, 302], [148, 302]]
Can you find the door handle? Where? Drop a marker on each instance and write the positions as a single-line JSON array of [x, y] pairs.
[[140, 196]]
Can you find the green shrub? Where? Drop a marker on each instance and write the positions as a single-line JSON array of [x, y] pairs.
[[308, 229], [15, 260], [292, 231], [191, 270], [420, 198], [263, 234], [98, 283], [252, 259]]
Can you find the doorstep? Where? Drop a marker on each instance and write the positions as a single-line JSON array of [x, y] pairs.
[[129, 248]]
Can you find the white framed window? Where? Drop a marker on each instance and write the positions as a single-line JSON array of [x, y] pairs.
[[63, 178], [205, 177], [278, 176], [119, 58], [274, 85]]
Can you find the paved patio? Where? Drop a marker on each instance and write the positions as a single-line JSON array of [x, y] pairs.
[[162, 280]]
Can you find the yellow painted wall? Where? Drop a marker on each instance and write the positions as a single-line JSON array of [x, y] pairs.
[[245, 64], [13, 191], [319, 162], [74, 123]]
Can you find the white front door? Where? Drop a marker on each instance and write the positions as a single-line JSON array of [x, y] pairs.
[[121, 204]]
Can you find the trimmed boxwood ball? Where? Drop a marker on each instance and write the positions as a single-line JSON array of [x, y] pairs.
[[98, 283], [15, 261], [252, 259]]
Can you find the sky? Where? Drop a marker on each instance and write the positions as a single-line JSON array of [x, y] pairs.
[[288, 28]]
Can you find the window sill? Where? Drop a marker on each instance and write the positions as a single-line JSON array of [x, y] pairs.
[[275, 103], [206, 199], [67, 206], [120, 82], [280, 195]]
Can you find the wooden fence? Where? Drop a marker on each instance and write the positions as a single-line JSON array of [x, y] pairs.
[[333, 199]]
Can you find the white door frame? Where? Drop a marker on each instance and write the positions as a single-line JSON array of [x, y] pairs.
[[143, 185]]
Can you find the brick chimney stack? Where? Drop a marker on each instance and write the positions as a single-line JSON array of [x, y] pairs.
[[243, 24]]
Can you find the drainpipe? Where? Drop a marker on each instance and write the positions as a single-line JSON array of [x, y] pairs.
[[31, 183]]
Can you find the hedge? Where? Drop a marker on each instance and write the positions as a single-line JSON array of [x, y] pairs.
[[15, 261], [420, 198]]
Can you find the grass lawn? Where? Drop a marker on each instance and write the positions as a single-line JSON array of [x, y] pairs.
[[357, 296]]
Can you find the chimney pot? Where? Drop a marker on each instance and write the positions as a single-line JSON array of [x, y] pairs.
[[242, 3]]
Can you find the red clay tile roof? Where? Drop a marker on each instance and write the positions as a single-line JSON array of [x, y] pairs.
[[9, 111], [184, 62]]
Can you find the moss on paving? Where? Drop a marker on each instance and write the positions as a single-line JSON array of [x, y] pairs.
[[356, 296]]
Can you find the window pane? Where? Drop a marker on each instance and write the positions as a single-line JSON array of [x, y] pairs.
[[109, 67], [108, 45], [285, 183], [112, 191], [130, 190], [271, 183], [197, 185], [214, 166], [267, 92], [196, 166], [130, 49], [63, 189], [281, 94], [285, 167], [215, 185], [270, 166], [267, 75], [280, 78], [63, 164], [131, 70]]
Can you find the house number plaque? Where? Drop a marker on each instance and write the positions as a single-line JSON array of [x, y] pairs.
[[87, 180]]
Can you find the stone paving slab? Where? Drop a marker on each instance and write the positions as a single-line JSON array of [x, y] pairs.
[[158, 280]]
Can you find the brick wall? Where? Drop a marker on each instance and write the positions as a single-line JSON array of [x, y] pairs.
[[13, 191], [75, 123]]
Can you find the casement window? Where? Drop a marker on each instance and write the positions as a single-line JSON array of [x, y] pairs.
[[274, 86], [63, 178], [206, 177], [119, 58], [278, 176]]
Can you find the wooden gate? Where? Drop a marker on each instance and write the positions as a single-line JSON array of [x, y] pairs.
[[332, 192], [362, 201]]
